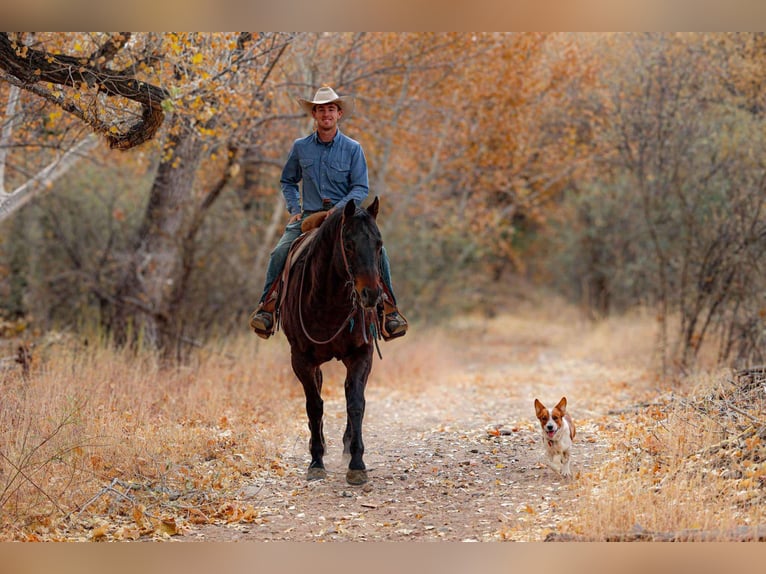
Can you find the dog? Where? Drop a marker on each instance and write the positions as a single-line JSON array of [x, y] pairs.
[[558, 433]]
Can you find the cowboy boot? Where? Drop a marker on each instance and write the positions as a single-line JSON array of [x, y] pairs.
[[394, 324], [262, 319]]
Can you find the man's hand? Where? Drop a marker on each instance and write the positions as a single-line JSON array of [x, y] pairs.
[[294, 218]]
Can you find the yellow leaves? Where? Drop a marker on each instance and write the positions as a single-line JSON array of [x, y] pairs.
[[21, 51], [752, 442], [142, 525], [168, 527], [174, 44], [138, 516], [99, 533], [277, 468], [197, 59], [232, 513], [196, 516], [127, 533]]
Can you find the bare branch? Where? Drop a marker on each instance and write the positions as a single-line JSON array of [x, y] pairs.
[[7, 132], [10, 202], [30, 67]]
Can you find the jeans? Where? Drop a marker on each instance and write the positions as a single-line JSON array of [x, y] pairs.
[[279, 256]]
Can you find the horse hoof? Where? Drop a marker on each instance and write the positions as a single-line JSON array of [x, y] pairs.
[[356, 477], [316, 473]]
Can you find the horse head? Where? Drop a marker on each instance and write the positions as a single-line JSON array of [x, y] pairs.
[[362, 245]]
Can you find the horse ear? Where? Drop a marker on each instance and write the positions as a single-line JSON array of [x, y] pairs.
[[349, 210], [372, 209]]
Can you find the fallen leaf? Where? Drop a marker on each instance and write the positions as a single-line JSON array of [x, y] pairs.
[[168, 526], [99, 533]]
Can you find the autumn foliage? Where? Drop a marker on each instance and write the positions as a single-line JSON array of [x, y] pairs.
[[603, 166], [139, 201]]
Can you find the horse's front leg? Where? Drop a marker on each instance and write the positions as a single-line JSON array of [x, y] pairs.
[[310, 377], [357, 370]]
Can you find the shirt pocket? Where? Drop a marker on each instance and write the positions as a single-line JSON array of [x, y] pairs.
[[307, 168], [338, 173]]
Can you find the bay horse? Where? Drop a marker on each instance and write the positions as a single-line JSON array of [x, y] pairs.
[[330, 312]]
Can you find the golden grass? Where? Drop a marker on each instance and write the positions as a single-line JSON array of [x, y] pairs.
[[689, 455], [91, 415], [98, 432]]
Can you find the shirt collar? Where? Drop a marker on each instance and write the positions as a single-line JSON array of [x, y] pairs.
[[332, 141]]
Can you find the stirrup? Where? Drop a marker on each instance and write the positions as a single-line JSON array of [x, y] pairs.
[[398, 323], [262, 320]]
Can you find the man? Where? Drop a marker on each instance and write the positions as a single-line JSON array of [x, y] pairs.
[[333, 170]]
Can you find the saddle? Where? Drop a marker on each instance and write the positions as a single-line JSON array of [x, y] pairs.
[[276, 297], [308, 231], [298, 247]]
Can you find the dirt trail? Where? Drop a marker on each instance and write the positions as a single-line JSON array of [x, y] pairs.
[[457, 459]]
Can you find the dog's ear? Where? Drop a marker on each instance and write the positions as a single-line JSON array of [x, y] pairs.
[[539, 407], [562, 406]]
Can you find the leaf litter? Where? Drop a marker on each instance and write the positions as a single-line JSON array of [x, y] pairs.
[[455, 457]]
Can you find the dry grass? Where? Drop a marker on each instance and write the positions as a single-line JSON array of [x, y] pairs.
[[687, 458], [94, 430], [95, 434]]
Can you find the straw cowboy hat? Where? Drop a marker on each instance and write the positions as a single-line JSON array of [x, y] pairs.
[[326, 95]]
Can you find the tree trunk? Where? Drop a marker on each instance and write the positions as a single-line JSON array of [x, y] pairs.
[[144, 298]]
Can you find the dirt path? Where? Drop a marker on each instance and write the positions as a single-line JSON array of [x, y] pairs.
[[458, 458]]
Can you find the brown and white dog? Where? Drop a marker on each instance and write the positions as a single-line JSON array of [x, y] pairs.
[[558, 433]]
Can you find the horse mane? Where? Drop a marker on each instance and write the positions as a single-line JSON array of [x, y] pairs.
[[327, 232], [326, 241], [322, 246]]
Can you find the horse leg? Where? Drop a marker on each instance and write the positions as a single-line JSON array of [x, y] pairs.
[[357, 370], [310, 377], [347, 442]]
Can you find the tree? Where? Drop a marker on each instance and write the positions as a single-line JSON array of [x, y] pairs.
[[675, 205], [216, 89]]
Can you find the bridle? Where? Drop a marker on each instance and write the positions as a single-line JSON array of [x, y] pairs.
[[355, 305]]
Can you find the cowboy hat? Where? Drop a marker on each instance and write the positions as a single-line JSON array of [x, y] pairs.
[[326, 95]]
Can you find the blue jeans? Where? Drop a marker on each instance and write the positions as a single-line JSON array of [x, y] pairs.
[[279, 256]]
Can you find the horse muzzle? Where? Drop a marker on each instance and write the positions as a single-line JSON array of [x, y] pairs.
[[369, 295]]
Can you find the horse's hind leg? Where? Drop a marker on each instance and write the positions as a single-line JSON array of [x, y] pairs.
[[310, 377], [358, 369]]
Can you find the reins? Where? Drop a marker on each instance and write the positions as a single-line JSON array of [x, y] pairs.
[[354, 304]]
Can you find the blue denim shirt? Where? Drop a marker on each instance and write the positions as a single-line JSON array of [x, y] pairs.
[[336, 171]]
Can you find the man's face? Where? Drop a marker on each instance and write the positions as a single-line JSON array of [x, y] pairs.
[[326, 115]]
